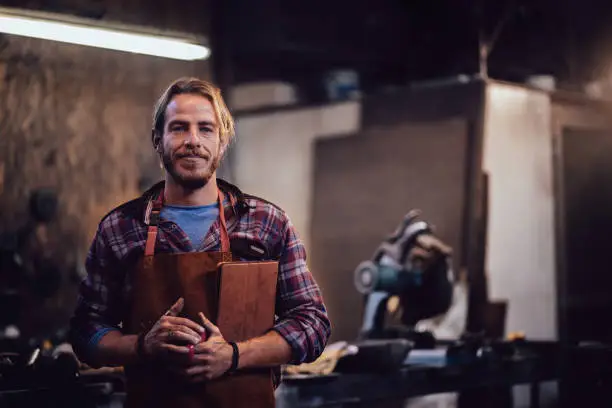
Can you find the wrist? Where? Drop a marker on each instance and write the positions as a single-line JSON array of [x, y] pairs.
[[141, 349], [234, 357]]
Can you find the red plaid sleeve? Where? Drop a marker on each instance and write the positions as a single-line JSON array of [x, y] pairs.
[[98, 306], [303, 320]]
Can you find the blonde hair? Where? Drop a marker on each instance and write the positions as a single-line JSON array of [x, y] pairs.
[[200, 87]]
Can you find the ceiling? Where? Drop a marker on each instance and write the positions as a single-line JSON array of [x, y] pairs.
[[387, 42], [190, 16], [393, 41]]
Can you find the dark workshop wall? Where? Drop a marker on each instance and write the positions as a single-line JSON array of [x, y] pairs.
[[583, 149], [77, 120], [586, 175], [582, 137]]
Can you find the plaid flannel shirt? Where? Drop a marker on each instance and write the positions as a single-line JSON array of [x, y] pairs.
[[120, 240]]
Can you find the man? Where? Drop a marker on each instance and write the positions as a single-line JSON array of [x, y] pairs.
[[192, 129]]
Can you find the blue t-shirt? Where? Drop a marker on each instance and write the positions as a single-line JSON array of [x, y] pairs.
[[194, 221]]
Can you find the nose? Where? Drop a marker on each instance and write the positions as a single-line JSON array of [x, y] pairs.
[[193, 139]]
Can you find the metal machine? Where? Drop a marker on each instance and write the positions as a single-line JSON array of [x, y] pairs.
[[411, 264]]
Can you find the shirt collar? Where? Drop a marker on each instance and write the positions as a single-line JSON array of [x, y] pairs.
[[236, 201]]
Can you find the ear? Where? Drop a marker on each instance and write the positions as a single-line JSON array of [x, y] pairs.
[[156, 139], [224, 144]]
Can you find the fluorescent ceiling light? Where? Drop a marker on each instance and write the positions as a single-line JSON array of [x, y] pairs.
[[102, 37]]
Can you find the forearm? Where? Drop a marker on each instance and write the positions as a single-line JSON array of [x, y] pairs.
[[306, 329], [302, 316], [116, 349], [268, 350]]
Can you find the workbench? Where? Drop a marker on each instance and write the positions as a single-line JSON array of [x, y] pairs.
[[337, 389], [340, 389]]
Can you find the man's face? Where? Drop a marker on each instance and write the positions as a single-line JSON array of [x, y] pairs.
[[190, 145]]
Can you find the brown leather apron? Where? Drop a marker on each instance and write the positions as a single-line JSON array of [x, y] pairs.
[[157, 282]]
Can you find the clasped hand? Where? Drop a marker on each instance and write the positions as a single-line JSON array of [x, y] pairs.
[[177, 342]]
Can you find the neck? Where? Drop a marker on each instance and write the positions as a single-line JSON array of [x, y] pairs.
[[175, 194]]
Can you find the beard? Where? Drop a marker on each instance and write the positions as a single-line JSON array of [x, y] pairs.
[[191, 180]]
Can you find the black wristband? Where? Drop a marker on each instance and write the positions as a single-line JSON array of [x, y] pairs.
[[140, 351], [235, 356]]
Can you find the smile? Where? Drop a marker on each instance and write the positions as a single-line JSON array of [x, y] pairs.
[[192, 158]]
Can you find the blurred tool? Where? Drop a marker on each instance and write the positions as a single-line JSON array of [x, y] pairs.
[[412, 265]]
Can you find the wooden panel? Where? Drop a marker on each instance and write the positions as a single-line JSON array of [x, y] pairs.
[[364, 185], [246, 299], [246, 309]]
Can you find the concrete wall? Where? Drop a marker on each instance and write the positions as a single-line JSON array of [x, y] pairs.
[[273, 154], [521, 254]]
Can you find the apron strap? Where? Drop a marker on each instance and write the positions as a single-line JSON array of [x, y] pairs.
[[225, 242], [154, 209]]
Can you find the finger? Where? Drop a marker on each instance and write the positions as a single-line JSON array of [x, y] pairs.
[[173, 348], [204, 348], [196, 370], [176, 308], [191, 333], [200, 359], [187, 323], [183, 361], [209, 325], [167, 326], [175, 335]]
